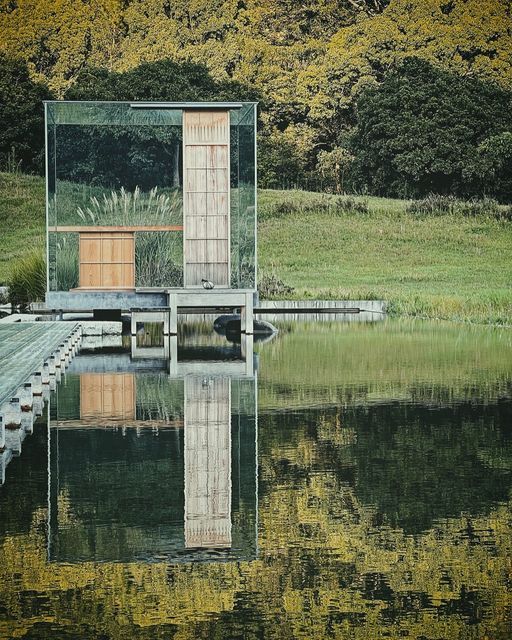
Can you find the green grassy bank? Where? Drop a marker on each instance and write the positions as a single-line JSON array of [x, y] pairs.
[[22, 217], [448, 266]]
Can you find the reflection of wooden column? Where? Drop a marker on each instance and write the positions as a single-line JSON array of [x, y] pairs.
[[109, 397], [207, 462]]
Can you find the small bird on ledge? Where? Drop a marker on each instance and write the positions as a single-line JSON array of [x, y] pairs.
[[207, 284]]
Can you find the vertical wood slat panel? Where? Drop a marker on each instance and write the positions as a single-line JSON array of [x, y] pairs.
[[206, 194]]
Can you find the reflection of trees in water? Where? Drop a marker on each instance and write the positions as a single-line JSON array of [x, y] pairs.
[[414, 463], [115, 156], [325, 567], [334, 560]]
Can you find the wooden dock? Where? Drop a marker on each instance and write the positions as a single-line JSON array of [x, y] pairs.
[[24, 346]]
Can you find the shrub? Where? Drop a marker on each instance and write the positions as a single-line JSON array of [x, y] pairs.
[[348, 204], [433, 205], [27, 279], [336, 205], [504, 214], [478, 207], [270, 286], [437, 205]]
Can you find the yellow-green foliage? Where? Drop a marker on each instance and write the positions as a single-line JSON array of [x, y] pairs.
[[275, 45], [317, 538], [332, 528], [469, 37]]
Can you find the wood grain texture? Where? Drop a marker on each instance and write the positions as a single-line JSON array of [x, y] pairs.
[[107, 260], [206, 201]]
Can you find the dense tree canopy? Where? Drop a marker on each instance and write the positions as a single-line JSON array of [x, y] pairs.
[[21, 115], [308, 62], [421, 128], [143, 156]]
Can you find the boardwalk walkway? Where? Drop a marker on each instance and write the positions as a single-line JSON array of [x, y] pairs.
[[24, 347]]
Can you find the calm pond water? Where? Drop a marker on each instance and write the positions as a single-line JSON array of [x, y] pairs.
[[349, 481]]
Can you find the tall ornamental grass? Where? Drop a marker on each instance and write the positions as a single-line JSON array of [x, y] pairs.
[[157, 254], [27, 279], [124, 208]]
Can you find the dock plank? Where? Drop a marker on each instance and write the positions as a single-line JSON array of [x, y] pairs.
[[24, 347]]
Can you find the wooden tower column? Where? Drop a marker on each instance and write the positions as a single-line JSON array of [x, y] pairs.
[[206, 202]]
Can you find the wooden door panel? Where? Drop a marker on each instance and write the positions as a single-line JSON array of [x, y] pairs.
[[196, 251], [90, 275], [195, 204], [90, 249], [216, 251], [217, 227], [197, 226], [196, 180], [217, 181]]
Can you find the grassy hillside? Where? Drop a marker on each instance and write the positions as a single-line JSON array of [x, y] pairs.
[[449, 266], [22, 217]]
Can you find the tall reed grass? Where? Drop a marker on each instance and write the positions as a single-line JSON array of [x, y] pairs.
[[157, 254], [124, 208], [27, 279]]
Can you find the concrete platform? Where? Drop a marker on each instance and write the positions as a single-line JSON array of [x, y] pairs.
[[171, 299]]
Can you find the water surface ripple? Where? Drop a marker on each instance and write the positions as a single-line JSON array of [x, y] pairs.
[[358, 485]]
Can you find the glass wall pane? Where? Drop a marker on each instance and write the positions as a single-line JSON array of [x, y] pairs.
[[113, 165], [247, 198], [234, 161], [50, 193]]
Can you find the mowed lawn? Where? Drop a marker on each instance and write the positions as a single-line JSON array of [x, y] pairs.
[[447, 266], [450, 266]]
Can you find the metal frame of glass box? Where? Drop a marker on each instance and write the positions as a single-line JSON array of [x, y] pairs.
[[149, 199]]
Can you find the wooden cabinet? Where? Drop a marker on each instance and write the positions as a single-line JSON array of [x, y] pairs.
[[107, 260]]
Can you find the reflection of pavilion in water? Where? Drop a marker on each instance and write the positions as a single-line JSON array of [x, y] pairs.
[[147, 464]]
